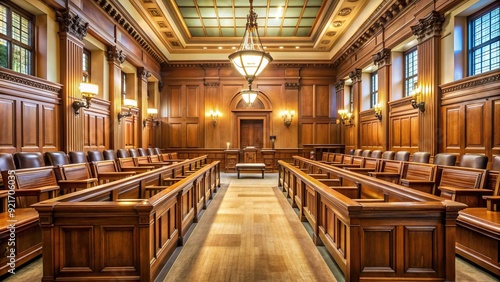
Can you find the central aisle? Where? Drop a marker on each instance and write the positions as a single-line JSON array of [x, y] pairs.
[[249, 233]]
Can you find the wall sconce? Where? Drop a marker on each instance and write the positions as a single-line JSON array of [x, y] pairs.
[[378, 111], [215, 115], [287, 117], [151, 117], [129, 103], [415, 93], [88, 92], [273, 139], [345, 116]]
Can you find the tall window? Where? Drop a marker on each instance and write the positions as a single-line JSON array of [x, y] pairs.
[[410, 71], [373, 89], [124, 85], [351, 101], [16, 39], [484, 40], [86, 65]]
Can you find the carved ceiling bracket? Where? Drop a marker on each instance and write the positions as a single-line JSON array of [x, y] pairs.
[[72, 24], [339, 85], [428, 27], [115, 55], [382, 58], [355, 75], [143, 74]]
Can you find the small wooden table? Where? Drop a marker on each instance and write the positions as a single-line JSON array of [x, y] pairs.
[[251, 166]]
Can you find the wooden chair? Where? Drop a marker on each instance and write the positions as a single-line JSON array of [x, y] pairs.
[[28, 160], [128, 164], [390, 170], [369, 165], [493, 201], [77, 157], [419, 176], [463, 184], [75, 177], [107, 171]]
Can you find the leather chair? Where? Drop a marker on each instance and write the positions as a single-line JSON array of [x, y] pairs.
[[95, 156], [388, 155], [366, 153], [351, 152], [151, 152], [77, 157], [6, 162], [122, 153], [56, 158], [402, 156], [376, 154], [142, 152], [445, 159], [28, 160], [157, 151], [495, 165], [421, 157], [358, 152], [474, 161], [134, 153], [109, 154]]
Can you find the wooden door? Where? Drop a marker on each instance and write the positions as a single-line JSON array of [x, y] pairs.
[[251, 133]]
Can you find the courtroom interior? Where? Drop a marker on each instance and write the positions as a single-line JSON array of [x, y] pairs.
[[372, 127]]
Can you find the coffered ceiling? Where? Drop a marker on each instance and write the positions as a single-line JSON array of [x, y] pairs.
[[308, 29]]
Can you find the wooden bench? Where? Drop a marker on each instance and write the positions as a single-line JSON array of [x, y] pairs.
[[251, 166], [463, 184]]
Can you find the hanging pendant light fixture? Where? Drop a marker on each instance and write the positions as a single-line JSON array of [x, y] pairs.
[[250, 59], [249, 95]]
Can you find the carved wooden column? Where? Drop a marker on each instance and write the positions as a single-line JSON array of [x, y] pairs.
[[292, 89], [216, 138], [383, 61], [339, 92], [71, 32], [354, 129], [115, 59], [428, 33], [142, 96]]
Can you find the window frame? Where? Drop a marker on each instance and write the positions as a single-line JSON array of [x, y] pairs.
[[470, 33], [373, 91], [407, 88], [86, 77], [11, 7], [124, 85]]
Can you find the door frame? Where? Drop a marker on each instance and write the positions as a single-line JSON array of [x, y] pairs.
[[266, 125]]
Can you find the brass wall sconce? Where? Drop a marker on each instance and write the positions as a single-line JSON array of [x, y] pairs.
[[129, 103], [151, 117], [214, 115], [378, 111], [287, 117], [345, 116], [416, 92], [88, 92]]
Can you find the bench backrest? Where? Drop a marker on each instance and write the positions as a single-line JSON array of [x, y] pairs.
[[75, 171], [419, 171], [104, 166], [141, 160], [392, 166], [33, 177], [358, 160], [371, 163], [165, 156], [462, 177], [126, 162], [347, 159], [154, 158]]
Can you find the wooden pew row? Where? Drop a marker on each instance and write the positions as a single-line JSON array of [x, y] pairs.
[[410, 236], [109, 232]]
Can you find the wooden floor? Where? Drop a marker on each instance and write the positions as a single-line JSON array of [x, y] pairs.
[[251, 233]]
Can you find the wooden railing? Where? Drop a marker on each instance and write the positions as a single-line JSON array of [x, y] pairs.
[[114, 232], [390, 233]]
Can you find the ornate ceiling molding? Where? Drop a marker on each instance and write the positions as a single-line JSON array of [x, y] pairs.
[[120, 16], [339, 85]]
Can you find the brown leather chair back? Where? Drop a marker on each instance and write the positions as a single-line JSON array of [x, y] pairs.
[[474, 161], [6, 162], [358, 152], [445, 159], [142, 152], [151, 152], [95, 156], [376, 154], [388, 155], [28, 160], [157, 151], [134, 153], [77, 157], [122, 153], [403, 156], [109, 154], [495, 165], [366, 153], [56, 158], [351, 152], [421, 157]]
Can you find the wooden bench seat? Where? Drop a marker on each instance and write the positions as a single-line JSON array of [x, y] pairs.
[[251, 167], [463, 184]]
